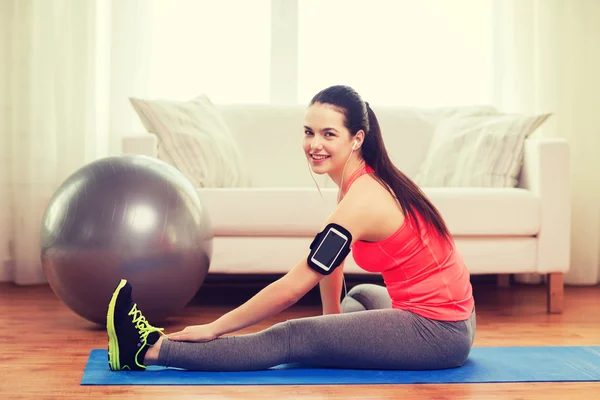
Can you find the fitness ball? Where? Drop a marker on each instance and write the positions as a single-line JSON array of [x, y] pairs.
[[127, 217]]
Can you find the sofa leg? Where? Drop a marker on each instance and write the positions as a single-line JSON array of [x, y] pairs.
[[556, 293], [503, 280]]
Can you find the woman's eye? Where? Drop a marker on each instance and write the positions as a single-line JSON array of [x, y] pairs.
[[327, 134]]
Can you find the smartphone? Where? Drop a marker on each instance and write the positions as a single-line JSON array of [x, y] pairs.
[[329, 249]]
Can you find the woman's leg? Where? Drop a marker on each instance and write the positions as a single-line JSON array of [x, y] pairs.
[[377, 339], [366, 296]]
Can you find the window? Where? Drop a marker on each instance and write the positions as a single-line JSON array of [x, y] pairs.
[[221, 48], [422, 53], [397, 52]]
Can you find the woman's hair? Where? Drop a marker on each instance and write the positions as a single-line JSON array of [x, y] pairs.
[[358, 115]]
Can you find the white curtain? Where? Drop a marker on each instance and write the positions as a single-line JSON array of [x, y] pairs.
[[548, 60], [68, 66]]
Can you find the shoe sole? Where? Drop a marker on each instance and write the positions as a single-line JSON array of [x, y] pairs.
[[113, 342]]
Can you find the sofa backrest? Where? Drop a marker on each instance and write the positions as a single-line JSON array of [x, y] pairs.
[[270, 138]]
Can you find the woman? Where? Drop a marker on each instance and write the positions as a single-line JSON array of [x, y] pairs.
[[424, 318]]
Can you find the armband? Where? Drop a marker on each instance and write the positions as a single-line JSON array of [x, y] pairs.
[[329, 249]]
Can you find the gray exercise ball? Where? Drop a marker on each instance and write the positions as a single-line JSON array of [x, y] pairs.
[[127, 217]]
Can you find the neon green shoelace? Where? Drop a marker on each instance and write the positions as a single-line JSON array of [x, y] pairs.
[[142, 325]]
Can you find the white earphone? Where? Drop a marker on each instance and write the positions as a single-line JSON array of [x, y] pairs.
[[355, 144]]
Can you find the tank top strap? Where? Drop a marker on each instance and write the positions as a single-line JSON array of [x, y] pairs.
[[365, 169]]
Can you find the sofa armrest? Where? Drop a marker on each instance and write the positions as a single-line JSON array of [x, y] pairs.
[[146, 144], [546, 172]]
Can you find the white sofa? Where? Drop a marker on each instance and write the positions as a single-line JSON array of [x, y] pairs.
[[266, 228]]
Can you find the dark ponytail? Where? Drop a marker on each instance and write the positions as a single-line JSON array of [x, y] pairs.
[[359, 115]]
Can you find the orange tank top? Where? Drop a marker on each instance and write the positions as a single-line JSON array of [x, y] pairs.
[[428, 277]]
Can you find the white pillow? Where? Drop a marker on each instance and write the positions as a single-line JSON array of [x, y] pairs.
[[193, 137], [477, 151]]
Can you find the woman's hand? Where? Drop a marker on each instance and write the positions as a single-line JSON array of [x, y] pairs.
[[197, 333]]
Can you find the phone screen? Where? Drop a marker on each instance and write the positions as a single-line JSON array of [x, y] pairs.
[[330, 248]]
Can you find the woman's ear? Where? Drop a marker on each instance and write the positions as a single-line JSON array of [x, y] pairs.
[[358, 139]]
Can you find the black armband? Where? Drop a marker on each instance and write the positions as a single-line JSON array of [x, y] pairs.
[[329, 248]]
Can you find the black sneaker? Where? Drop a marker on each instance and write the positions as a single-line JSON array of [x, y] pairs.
[[129, 334]]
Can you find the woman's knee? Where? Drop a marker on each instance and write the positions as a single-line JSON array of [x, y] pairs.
[[367, 296], [354, 300], [350, 304]]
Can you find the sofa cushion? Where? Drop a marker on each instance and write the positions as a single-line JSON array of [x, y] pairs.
[[488, 211], [193, 137], [270, 137], [478, 150], [302, 212]]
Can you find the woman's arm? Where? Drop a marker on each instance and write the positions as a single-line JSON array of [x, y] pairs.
[[273, 299], [331, 291], [352, 214]]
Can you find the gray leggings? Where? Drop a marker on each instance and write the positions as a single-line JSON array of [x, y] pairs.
[[368, 334]]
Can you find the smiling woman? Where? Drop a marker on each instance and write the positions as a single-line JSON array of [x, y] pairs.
[[336, 125], [326, 140], [425, 315]]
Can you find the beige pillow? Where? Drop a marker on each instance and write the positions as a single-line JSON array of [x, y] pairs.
[[193, 137], [477, 151]]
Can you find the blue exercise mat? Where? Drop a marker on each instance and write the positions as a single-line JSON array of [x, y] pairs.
[[485, 364]]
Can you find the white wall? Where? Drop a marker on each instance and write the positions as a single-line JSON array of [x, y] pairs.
[[549, 60], [4, 121], [573, 83], [579, 121]]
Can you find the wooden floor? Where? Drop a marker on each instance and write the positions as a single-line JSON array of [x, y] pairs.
[[45, 346]]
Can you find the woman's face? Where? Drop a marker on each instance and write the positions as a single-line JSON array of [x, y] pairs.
[[327, 143]]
